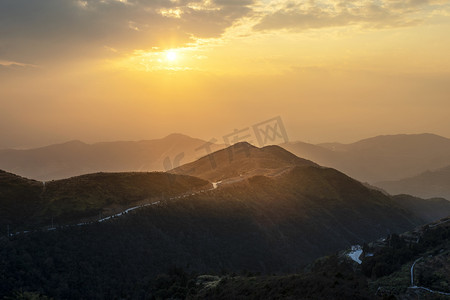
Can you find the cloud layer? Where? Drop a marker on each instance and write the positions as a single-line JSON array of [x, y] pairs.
[[302, 15], [34, 32], [31, 30]]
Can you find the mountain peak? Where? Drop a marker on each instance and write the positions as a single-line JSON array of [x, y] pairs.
[[74, 142], [243, 144], [176, 136], [242, 160]]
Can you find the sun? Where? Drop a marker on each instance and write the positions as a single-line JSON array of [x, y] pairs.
[[171, 56]]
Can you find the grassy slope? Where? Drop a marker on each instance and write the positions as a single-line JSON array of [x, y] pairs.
[[26, 202]]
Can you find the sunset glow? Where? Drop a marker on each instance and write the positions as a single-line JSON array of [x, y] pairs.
[[224, 149], [383, 65]]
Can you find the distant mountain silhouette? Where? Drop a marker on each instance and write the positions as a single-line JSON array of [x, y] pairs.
[[429, 184], [382, 158], [77, 158]]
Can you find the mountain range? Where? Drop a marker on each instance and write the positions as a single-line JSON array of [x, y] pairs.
[[429, 184], [401, 164], [238, 209], [381, 158], [77, 158], [269, 187], [389, 162]]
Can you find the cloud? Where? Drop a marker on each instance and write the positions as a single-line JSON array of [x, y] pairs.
[[9, 68], [33, 30], [5, 63], [40, 32], [303, 15]]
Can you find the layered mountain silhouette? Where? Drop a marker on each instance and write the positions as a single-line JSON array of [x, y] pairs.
[[77, 158], [381, 158], [429, 184], [239, 168], [272, 212]]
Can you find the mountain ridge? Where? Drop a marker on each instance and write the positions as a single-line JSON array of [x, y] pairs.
[[74, 158], [242, 160], [271, 220], [27, 204], [380, 158], [429, 184]]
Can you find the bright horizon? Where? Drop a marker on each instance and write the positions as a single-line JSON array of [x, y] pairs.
[[335, 71]]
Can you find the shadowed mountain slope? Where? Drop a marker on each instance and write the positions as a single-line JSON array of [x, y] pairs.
[[260, 224], [20, 198], [27, 203]]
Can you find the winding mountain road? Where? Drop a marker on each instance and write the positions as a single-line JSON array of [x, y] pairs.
[[421, 287], [124, 212]]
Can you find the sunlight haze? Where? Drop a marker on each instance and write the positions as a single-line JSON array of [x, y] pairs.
[[130, 70]]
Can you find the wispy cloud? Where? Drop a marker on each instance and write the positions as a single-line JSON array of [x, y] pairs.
[[303, 15], [15, 64]]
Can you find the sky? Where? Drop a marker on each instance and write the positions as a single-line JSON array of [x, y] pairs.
[[105, 70]]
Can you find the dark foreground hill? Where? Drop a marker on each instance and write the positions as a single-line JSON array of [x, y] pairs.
[[20, 198], [385, 273], [149, 256], [261, 224], [28, 203]]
